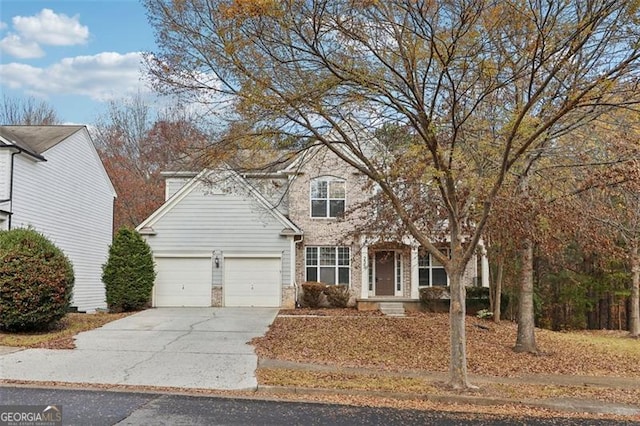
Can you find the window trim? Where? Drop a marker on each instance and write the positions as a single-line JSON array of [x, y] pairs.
[[336, 266], [328, 199], [430, 269]]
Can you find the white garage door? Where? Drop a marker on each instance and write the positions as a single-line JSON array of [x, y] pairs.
[[183, 281], [252, 282]]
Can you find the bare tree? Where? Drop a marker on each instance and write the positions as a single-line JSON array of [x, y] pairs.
[[27, 111], [136, 145], [480, 83]]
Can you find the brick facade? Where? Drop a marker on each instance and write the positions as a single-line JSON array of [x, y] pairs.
[[340, 232], [327, 231]]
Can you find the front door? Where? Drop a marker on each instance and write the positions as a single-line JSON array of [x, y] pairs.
[[384, 273]]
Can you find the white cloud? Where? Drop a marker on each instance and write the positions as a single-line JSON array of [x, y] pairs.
[[15, 46], [45, 28], [101, 77]]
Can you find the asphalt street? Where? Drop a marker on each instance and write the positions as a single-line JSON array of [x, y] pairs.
[[96, 408]]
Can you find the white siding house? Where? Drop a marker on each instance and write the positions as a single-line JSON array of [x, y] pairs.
[[217, 241], [51, 179]]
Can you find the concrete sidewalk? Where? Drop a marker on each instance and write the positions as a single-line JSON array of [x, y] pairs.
[[168, 347]]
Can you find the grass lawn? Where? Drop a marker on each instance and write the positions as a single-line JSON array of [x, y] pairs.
[[61, 336]]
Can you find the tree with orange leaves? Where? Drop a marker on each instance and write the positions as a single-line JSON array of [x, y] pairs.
[[482, 85], [136, 147]]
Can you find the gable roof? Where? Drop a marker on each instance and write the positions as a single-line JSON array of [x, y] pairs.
[[289, 228], [35, 140]]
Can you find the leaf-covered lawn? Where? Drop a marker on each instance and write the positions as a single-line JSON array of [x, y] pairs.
[[61, 336], [421, 342], [376, 382]]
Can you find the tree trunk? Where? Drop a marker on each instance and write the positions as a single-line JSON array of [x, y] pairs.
[[498, 294], [526, 339], [592, 317], [458, 361], [634, 323]]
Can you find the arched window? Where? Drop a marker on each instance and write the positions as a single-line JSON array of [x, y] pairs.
[[327, 196]]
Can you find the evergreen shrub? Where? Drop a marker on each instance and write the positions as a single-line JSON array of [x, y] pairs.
[[36, 281], [129, 273]]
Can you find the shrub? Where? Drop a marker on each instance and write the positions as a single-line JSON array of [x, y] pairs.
[[428, 294], [129, 272], [474, 292], [36, 281], [312, 294], [435, 299], [337, 295], [484, 314]]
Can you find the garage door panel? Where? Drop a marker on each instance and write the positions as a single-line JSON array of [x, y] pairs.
[[182, 282], [252, 282]]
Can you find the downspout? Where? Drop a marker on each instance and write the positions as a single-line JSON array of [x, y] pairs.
[[13, 154], [17, 150], [10, 199]]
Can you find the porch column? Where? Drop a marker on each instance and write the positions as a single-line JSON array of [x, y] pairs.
[[415, 294], [484, 264], [364, 276]]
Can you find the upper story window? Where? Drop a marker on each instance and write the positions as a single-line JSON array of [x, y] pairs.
[[327, 197]]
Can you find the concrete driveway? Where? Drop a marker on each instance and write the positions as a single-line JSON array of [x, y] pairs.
[[177, 347]]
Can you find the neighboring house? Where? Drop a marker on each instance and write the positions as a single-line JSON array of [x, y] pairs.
[[52, 180], [228, 239]]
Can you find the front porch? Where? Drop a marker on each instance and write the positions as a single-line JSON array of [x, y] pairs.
[[396, 271]]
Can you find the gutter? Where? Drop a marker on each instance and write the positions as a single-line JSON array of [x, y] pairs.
[[26, 151]]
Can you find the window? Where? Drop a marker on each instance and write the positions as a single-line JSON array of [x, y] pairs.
[[327, 197], [329, 265], [370, 268], [431, 272], [398, 271]]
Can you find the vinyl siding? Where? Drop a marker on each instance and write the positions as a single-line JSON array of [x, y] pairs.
[[230, 222], [69, 199], [5, 186], [5, 176], [275, 190], [173, 185]]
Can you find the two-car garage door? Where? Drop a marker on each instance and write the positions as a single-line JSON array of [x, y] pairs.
[[248, 281]]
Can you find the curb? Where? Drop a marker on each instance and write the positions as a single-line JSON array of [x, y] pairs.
[[10, 349], [558, 404]]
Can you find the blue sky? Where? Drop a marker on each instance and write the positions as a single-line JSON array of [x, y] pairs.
[[74, 54]]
